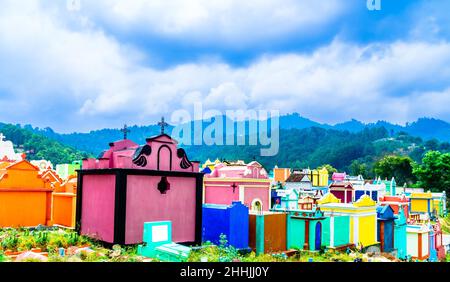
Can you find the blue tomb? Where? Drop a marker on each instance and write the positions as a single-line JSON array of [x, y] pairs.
[[231, 221], [385, 226]]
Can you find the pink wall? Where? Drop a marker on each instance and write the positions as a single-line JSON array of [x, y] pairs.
[[216, 193], [145, 203], [251, 170], [97, 215], [220, 195], [257, 193]]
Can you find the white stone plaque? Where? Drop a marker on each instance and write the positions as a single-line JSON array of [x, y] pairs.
[[160, 233]]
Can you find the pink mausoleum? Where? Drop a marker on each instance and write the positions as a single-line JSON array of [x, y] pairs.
[[130, 184], [247, 183]]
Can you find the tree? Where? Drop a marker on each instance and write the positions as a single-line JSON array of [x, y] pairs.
[[432, 144], [358, 168], [396, 166], [329, 168], [444, 147], [434, 172]]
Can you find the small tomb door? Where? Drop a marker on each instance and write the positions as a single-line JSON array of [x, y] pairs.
[[164, 158], [318, 243]]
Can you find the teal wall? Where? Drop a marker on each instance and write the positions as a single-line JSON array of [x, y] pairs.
[[259, 234], [326, 232], [341, 231], [296, 233], [400, 241]]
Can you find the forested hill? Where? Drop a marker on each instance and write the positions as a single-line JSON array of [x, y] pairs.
[[298, 148], [38, 147], [96, 140], [313, 147]]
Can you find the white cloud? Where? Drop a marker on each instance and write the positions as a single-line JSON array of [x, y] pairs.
[[80, 78], [231, 22]]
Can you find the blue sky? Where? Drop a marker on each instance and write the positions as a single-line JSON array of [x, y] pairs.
[[108, 62]]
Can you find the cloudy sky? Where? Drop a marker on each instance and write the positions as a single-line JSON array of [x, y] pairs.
[[103, 63]]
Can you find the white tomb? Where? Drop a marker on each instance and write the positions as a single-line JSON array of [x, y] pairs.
[[7, 150]]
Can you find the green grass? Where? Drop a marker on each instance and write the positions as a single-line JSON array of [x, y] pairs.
[[50, 241]]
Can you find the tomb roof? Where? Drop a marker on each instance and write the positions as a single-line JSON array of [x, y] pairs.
[[298, 177], [341, 185]]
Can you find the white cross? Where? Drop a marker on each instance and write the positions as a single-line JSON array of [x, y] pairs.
[[2, 137]]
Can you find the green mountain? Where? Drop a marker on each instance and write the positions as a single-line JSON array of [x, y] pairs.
[[303, 143], [37, 146]]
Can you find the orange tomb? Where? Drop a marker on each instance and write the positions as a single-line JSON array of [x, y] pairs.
[[64, 202], [25, 196]]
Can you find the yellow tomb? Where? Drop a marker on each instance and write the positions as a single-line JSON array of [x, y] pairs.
[[320, 177], [363, 217], [421, 203]]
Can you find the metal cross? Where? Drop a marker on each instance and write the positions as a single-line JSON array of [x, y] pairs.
[[163, 124], [125, 130], [234, 186]]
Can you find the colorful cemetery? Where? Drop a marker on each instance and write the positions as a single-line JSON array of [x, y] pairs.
[[356, 181], [153, 195], [396, 203], [7, 153], [310, 229], [293, 200], [25, 196], [374, 191], [439, 204], [320, 177], [64, 203], [363, 218], [421, 205], [237, 181], [208, 166], [342, 191], [301, 182], [336, 227], [43, 165], [130, 184], [231, 221], [338, 176], [66, 170], [280, 175], [386, 228], [306, 203], [400, 234], [157, 243], [390, 185], [418, 241], [289, 199], [438, 241], [408, 190], [267, 232], [305, 230]]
